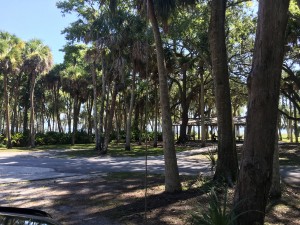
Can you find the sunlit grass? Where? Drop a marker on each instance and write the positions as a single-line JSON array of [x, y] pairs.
[[118, 150], [88, 150]]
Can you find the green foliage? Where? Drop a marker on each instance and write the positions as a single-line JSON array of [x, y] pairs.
[[49, 138], [20, 139], [217, 213]]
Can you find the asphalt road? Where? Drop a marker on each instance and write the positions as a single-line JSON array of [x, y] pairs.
[[28, 166]]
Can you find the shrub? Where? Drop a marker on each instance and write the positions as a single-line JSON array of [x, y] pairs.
[[217, 213], [20, 139]]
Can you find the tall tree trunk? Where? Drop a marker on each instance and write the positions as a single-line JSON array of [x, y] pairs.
[[26, 107], [76, 110], [129, 117], [290, 122], [275, 190], [172, 181], [296, 125], [202, 107], [95, 111], [69, 113], [263, 85], [15, 123], [7, 111], [155, 117], [227, 165], [60, 129], [89, 106], [102, 108], [110, 121], [32, 113], [185, 111]]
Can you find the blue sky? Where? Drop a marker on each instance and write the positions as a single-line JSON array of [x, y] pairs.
[[40, 19]]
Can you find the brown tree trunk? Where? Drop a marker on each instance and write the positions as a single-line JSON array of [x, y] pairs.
[[203, 139], [102, 107], [155, 117], [32, 128], [129, 117], [275, 190], [95, 111], [227, 165], [185, 111], [76, 110], [7, 111], [255, 175], [172, 181], [110, 121], [296, 125]]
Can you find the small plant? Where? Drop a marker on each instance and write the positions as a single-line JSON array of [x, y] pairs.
[[212, 158], [217, 213]]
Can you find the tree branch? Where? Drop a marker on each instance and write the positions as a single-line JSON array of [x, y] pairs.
[[288, 116]]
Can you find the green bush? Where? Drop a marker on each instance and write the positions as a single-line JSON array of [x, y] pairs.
[[217, 213], [20, 139], [82, 137]]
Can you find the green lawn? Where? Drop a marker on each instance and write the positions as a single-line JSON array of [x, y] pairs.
[[289, 153], [87, 150], [118, 150]]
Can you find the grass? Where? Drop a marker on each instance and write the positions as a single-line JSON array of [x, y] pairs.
[[117, 150], [87, 150], [289, 153], [286, 139]]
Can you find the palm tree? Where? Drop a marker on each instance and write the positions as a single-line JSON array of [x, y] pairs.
[[172, 181], [10, 63], [53, 82], [75, 81], [37, 61], [227, 166]]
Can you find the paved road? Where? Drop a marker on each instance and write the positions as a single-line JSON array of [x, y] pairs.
[[17, 167]]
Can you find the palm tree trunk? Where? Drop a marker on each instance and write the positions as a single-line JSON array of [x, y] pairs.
[[110, 121], [97, 139], [172, 181], [102, 107], [76, 110], [7, 111], [227, 165], [32, 120], [184, 113], [202, 106], [129, 117], [255, 175], [155, 117], [296, 125], [26, 107]]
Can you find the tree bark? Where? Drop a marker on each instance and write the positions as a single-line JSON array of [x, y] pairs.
[[202, 106], [275, 190], [263, 86], [227, 165], [110, 121], [76, 110], [32, 128], [7, 112], [183, 138], [129, 117], [296, 125], [102, 107], [155, 117], [172, 181], [97, 138]]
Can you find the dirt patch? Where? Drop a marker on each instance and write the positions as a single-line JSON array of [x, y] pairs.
[[120, 199]]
